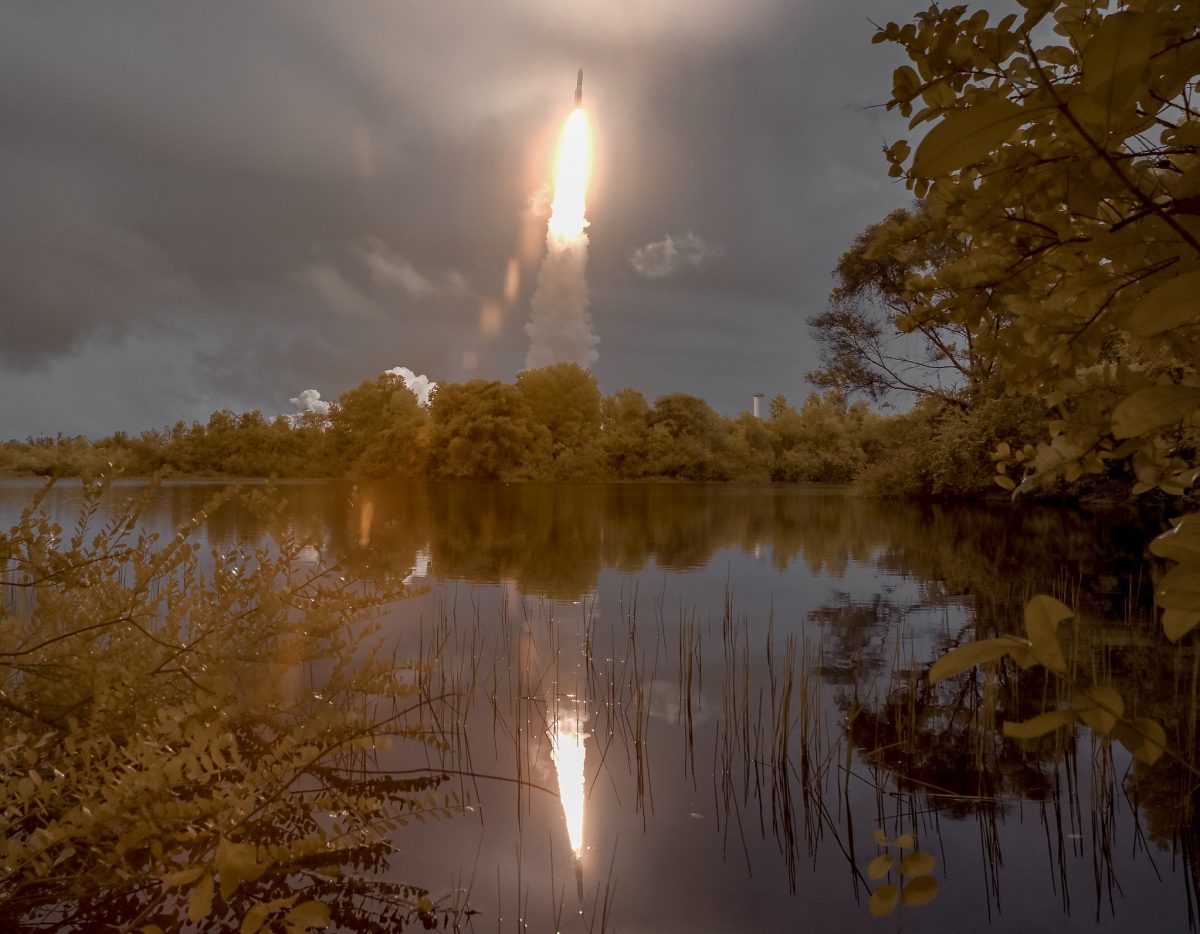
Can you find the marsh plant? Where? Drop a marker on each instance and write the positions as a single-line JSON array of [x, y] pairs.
[[189, 738]]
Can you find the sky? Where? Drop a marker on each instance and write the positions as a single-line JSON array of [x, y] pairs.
[[223, 204]]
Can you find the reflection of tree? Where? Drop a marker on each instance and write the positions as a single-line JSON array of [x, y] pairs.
[[936, 744], [852, 648], [555, 539]]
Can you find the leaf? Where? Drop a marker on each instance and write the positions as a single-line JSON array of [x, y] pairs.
[[1152, 408], [1115, 59], [880, 838], [920, 891], [1145, 739], [965, 657], [236, 863], [966, 136], [880, 866], [175, 879], [904, 841], [310, 914], [200, 904], [883, 900], [1154, 740], [1179, 588], [1005, 483], [1040, 725], [1099, 707], [1042, 616], [253, 920], [1181, 543], [916, 864], [1178, 623], [1174, 304]]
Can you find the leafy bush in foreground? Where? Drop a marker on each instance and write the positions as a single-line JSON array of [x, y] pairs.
[[188, 741]]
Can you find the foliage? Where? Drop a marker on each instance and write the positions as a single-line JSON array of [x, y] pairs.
[[192, 741], [864, 351], [1071, 163], [821, 442], [552, 424], [377, 430], [915, 886], [485, 430], [1098, 706], [942, 449], [564, 399]]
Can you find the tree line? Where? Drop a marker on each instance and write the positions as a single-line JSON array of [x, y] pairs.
[[552, 423]]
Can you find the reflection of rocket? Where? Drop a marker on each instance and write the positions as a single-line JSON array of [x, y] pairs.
[[579, 90]]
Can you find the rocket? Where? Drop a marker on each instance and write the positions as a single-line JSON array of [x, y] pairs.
[[579, 90]]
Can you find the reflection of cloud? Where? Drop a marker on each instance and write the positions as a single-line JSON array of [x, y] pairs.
[[420, 566], [666, 704], [667, 256]]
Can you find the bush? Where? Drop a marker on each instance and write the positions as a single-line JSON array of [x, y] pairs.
[[943, 449], [185, 742]]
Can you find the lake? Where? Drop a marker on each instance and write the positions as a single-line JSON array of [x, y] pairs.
[[705, 708]]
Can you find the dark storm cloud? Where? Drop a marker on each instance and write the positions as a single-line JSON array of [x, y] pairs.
[[223, 204]]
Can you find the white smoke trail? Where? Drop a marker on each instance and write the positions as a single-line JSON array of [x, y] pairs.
[[560, 327]]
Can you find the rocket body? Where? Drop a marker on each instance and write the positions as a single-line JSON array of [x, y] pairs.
[[579, 89]]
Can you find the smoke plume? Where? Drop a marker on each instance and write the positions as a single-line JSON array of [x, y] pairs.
[[560, 327]]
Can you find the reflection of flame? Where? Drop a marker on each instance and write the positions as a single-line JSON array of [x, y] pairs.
[[570, 178], [568, 752], [366, 517]]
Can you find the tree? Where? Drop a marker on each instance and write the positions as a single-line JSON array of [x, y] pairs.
[[625, 433], [690, 441], [1071, 168], [865, 348], [485, 430], [377, 429], [1072, 171], [820, 443], [565, 400]]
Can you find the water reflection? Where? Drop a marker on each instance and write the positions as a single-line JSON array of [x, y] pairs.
[[731, 681]]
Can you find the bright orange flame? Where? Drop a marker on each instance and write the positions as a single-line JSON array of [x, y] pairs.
[[571, 170]]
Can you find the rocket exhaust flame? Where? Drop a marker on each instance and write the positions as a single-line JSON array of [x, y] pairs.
[[571, 168], [560, 328]]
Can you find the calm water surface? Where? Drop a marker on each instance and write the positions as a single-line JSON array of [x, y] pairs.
[[717, 695]]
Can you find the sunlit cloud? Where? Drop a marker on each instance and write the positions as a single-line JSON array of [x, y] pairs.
[[310, 401], [420, 386]]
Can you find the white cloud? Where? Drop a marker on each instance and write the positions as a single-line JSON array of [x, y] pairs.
[[310, 401], [421, 386], [667, 256]]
